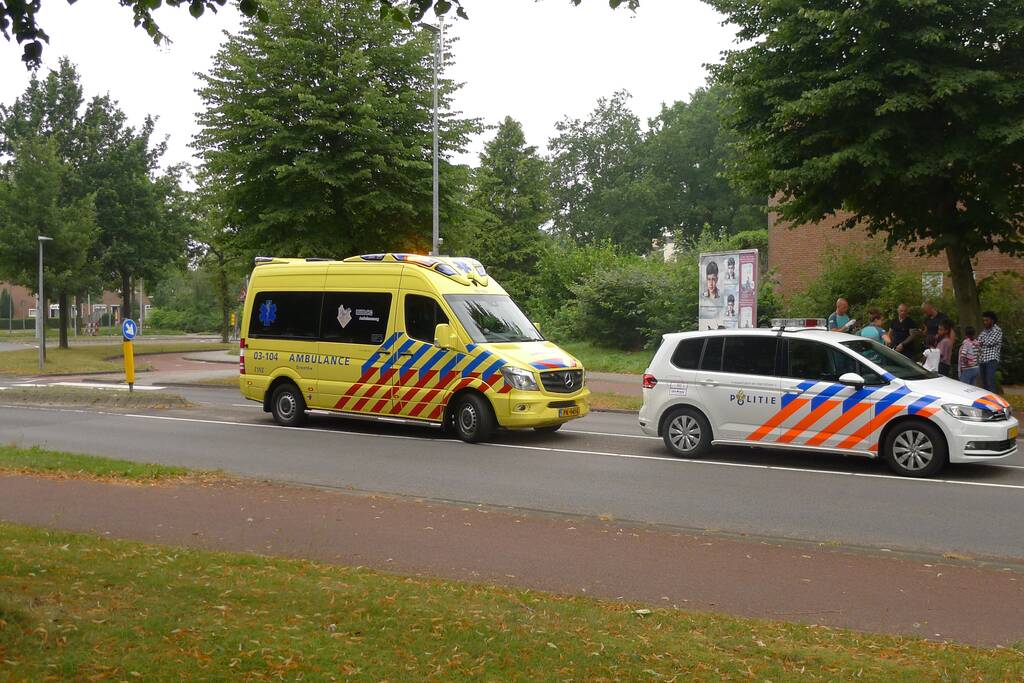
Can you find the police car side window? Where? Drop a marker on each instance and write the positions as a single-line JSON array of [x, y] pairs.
[[813, 360], [687, 354], [355, 317], [711, 360], [285, 315], [422, 315], [749, 355]]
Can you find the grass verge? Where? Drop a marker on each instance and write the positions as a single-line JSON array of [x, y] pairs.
[[1017, 401], [607, 400], [91, 357], [82, 607], [36, 460], [226, 381], [91, 397], [597, 359]]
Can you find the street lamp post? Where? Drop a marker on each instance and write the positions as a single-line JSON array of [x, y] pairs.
[[438, 32], [40, 315]]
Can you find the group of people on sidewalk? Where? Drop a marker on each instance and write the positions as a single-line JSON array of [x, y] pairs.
[[978, 357]]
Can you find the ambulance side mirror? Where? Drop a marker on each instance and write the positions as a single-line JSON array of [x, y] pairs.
[[852, 379], [445, 337], [536, 325]]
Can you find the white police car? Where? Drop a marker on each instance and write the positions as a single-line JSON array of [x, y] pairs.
[[799, 386]]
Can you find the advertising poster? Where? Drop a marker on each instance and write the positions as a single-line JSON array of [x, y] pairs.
[[728, 290]]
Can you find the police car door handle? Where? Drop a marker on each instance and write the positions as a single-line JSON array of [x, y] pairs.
[[794, 392], [710, 382]]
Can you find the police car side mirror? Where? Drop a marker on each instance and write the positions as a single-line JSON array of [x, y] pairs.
[[852, 379], [444, 337]]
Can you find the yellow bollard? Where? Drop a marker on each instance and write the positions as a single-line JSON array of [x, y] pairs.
[[129, 364]]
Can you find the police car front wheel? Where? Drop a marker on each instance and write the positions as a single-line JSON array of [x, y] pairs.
[[687, 432], [288, 406], [915, 449]]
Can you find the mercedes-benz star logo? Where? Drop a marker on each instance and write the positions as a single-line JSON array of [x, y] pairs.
[[569, 380]]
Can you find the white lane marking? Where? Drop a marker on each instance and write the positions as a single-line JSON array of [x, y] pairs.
[[96, 385], [623, 436], [630, 456]]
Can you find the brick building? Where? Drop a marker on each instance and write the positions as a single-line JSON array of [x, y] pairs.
[[796, 254], [24, 303]]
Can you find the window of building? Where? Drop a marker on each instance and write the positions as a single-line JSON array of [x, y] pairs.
[[355, 317], [285, 315], [422, 315]]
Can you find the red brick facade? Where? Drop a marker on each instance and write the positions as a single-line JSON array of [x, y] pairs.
[[796, 254], [24, 299]]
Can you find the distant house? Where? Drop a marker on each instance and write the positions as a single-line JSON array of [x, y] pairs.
[[796, 255], [23, 302]]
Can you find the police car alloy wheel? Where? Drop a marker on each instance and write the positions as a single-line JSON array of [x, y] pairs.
[[915, 450], [472, 418], [287, 405], [687, 433]]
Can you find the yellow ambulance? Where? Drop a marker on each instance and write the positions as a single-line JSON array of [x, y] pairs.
[[401, 336]]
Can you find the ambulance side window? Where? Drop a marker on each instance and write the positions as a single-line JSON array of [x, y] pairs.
[[422, 315], [355, 317], [285, 315]]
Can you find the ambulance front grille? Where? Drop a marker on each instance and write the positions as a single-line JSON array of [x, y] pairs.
[[562, 381]]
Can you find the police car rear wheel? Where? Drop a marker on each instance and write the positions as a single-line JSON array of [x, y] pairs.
[[472, 418], [687, 433], [287, 405], [915, 450]]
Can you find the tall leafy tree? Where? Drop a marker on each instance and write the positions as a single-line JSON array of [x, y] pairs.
[[511, 193], [34, 201], [686, 152], [318, 126], [599, 183], [905, 114], [6, 303]]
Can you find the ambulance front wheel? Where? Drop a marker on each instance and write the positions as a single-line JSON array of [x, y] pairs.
[[288, 406], [472, 418]]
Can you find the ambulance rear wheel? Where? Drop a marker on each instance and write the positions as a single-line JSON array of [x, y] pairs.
[[472, 418], [288, 406]]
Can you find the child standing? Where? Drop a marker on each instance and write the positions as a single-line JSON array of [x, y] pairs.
[[968, 359], [931, 355], [945, 346]]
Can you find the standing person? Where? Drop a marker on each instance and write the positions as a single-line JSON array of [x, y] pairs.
[[840, 321], [933, 317], [931, 355], [945, 347], [903, 331], [874, 329], [990, 349], [968, 359]]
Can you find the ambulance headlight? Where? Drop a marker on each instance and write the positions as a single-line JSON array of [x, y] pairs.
[[518, 378], [969, 413]]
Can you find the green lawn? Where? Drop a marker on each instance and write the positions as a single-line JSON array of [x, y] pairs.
[[597, 359], [91, 357], [78, 606], [92, 397], [606, 400], [39, 461]]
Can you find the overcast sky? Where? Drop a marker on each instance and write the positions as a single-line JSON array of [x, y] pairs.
[[536, 61]]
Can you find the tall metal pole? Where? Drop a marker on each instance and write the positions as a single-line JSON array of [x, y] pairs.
[[438, 55], [40, 314]]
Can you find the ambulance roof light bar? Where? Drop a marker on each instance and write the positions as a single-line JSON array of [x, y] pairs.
[[782, 324]]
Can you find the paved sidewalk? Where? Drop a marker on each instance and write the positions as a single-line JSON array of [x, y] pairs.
[[626, 385], [925, 597]]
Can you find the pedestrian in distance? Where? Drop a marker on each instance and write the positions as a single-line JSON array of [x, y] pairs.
[[874, 330], [930, 361], [990, 349], [840, 321], [903, 331], [945, 346], [967, 361]]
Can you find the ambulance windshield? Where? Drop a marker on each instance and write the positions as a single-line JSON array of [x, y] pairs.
[[492, 318]]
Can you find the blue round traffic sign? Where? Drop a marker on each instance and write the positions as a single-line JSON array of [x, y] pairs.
[[129, 329]]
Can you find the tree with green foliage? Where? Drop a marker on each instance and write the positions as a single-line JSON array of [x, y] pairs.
[[318, 127], [510, 190], [34, 201], [686, 152], [904, 115], [6, 304], [599, 182]]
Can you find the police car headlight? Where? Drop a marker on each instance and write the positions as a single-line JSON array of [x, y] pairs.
[[969, 413], [519, 378]]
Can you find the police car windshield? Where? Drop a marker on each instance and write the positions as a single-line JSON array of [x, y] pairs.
[[492, 318], [896, 364]]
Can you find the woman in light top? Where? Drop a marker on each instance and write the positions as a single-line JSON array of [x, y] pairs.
[[874, 330]]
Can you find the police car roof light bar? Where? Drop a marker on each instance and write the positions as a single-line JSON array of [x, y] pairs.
[[798, 324]]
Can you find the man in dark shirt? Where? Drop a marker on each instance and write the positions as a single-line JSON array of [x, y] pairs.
[[902, 331], [933, 318]]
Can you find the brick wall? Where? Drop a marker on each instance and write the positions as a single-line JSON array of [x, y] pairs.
[[796, 254], [25, 299]]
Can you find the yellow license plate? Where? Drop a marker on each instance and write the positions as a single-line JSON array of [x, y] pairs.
[[569, 412], [1011, 433]]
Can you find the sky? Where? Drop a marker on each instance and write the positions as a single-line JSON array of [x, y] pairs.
[[535, 60]]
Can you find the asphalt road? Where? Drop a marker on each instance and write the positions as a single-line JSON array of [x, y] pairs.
[[599, 466]]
